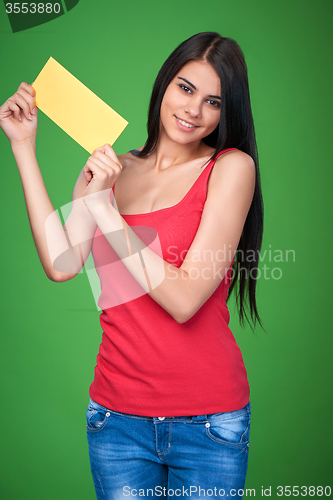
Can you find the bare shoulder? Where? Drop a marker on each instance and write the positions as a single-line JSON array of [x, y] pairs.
[[233, 174], [236, 161], [235, 166], [128, 159]]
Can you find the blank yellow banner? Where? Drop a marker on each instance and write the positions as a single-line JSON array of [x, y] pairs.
[[75, 108]]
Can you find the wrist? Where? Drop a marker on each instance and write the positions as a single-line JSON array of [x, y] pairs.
[[99, 201], [18, 145], [104, 213]]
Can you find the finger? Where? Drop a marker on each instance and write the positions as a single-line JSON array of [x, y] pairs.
[[21, 102], [28, 98], [98, 153], [87, 173], [109, 151], [14, 108], [97, 172], [94, 162], [28, 88]]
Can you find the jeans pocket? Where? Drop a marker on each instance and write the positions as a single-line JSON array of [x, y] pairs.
[[229, 429], [97, 417]]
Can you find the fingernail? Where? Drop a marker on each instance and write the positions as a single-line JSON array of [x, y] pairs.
[[29, 116], [33, 111]]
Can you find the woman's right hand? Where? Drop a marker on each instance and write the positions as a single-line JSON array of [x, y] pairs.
[[18, 115]]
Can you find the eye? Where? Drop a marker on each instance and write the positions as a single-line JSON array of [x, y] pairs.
[[185, 88], [214, 103]]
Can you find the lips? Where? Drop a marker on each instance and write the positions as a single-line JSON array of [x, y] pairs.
[[186, 124]]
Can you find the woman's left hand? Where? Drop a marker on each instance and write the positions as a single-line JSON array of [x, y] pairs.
[[101, 172]]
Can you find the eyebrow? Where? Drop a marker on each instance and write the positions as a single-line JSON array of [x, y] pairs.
[[194, 87]]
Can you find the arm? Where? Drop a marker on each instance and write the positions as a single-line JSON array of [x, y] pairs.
[[68, 247], [18, 120], [184, 290]]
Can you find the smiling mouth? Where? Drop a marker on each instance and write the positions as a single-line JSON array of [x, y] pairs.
[[186, 124]]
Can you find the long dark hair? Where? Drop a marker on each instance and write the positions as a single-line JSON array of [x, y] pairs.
[[235, 130]]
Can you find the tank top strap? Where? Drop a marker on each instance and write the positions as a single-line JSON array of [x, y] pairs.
[[198, 191], [212, 163]]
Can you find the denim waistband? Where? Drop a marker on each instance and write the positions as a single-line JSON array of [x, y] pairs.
[[188, 418]]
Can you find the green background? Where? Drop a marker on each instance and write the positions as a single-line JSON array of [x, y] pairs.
[[51, 332]]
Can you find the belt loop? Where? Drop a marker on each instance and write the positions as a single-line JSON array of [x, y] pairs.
[[199, 418]]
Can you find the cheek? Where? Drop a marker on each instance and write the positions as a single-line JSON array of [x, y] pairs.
[[170, 106], [214, 122], [162, 111], [165, 105], [217, 118], [172, 99]]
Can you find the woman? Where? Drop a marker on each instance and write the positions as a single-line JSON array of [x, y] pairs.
[[169, 413]]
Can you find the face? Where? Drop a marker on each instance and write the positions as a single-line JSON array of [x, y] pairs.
[[191, 105]]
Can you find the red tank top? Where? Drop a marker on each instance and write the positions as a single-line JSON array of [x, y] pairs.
[[148, 364]]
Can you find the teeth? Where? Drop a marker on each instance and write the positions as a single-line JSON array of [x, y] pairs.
[[186, 124]]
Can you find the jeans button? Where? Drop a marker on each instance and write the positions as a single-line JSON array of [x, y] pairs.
[[161, 418], [208, 424]]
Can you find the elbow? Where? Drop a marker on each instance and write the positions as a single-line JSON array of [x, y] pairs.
[[186, 307], [61, 278], [55, 278], [62, 269], [180, 319], [58, 277], [186, 303], [184, 314]]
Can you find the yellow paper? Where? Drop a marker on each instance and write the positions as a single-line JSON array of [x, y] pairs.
[[75, 108]]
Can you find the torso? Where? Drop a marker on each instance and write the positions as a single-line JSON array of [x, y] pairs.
[[140, 189], [167, 385]]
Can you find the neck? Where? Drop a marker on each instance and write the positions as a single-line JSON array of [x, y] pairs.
[[168, 153]]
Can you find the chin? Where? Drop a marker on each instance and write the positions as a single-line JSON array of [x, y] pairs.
[[185, 141], [180, 137]]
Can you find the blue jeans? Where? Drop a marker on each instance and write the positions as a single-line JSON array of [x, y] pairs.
[[168, 457]]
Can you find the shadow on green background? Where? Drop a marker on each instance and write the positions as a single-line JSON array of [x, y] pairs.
[[51, 332]]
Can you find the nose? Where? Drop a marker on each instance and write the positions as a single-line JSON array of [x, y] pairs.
[[193, 107]]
